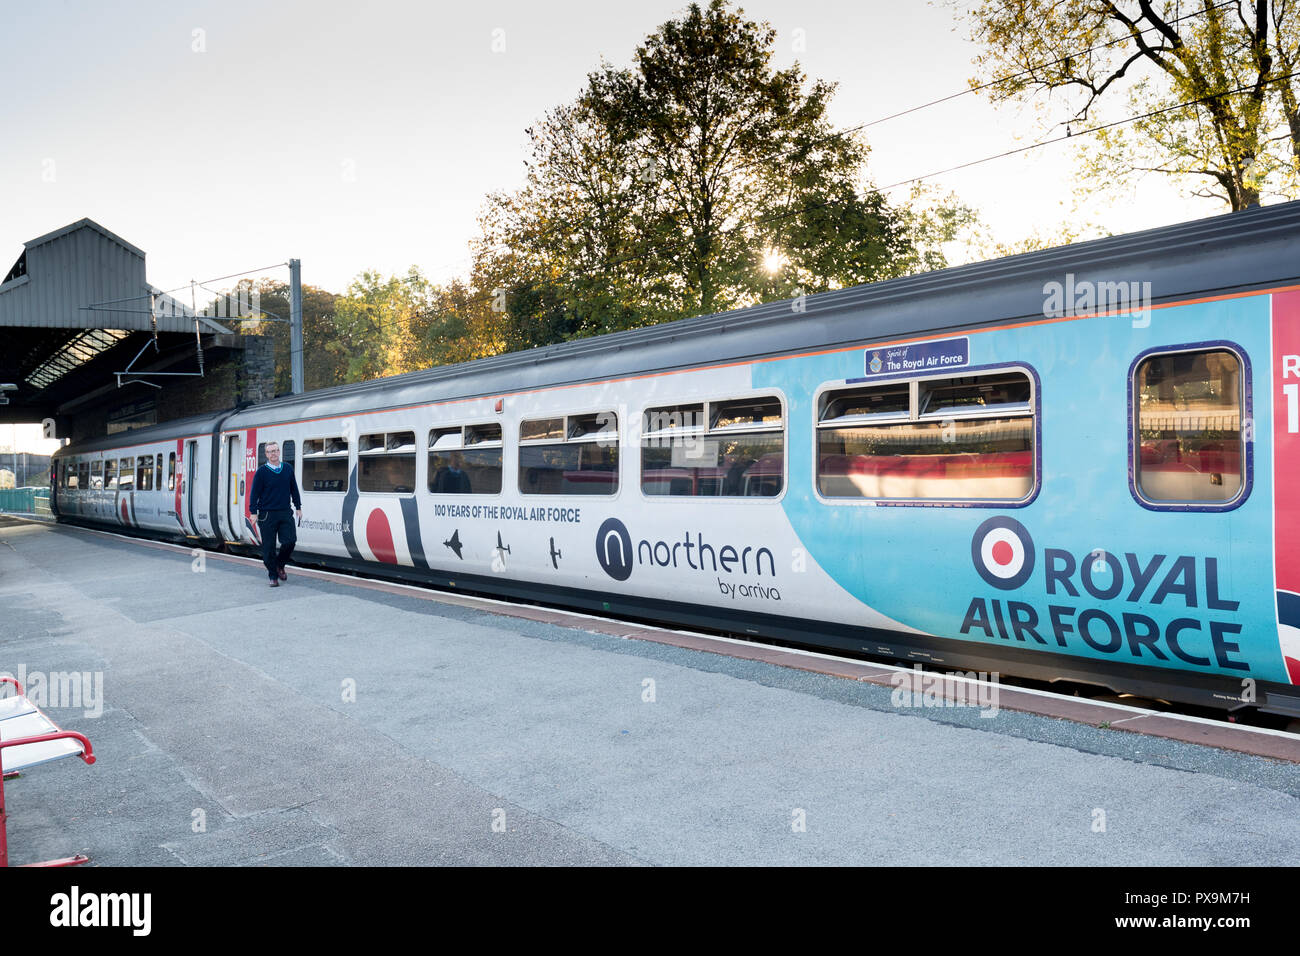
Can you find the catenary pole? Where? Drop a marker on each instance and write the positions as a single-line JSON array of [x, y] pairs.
[[295, 326]]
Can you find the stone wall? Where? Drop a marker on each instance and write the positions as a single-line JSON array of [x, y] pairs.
[[237, 368]]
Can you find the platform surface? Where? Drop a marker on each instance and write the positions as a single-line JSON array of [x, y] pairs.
[[325, 724]]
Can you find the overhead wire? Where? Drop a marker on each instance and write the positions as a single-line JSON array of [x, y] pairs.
[[233, 275]]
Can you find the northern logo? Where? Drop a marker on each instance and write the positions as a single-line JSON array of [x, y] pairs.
[[617, 553], [614, 549], [1003, 553]]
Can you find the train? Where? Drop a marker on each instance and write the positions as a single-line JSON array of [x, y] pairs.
[[1078, 465]]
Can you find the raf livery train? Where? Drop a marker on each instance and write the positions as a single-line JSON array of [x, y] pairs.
[[1078, 464]]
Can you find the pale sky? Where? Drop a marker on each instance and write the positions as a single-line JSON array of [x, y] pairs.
[[224, 136]]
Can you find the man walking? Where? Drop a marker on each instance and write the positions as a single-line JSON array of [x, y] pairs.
[[273, 486]]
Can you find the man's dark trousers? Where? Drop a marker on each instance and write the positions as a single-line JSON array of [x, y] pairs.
[[277, 524]]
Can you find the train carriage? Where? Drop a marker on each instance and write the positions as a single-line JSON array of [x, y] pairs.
[[137, 481], [1073, 464]]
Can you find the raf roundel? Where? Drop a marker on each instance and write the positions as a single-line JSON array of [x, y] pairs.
[[1003, 553]]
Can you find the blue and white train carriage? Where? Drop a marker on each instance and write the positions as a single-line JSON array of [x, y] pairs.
[[1077, 464]]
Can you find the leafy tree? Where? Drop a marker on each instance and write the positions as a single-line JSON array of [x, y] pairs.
[[406, 323], [459, 325], [700, 179], [382, 321], [1215, 77]]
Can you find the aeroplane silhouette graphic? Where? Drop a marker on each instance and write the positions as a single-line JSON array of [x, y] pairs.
[[454, 543], [555, 555]]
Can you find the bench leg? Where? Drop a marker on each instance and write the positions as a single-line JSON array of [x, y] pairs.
[[4, 839], [4, 826]]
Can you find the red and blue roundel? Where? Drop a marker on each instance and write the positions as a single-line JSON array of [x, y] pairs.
[[1003, 553]]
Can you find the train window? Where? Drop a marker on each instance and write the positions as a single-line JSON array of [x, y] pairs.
[[384, 442], [83, 474], [740, 454], [144, 473], [965, 438], [325, 464], [171, 471], [1190, 447], [602, 427], [482, 434], [325, 446], [387, 463], [869, 405], [97, 474], [70, 474], [465, 460], [570, 455], [673, 419], [158, 472], [541, 429], [447, 437], [745, 414], [126, 475], [110, 473], [984, 394]]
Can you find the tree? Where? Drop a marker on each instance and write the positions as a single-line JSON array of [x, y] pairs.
[[1215, 78], [381, 321], [398, 324], [324, 357], [697, 180], [459, 325], [555, 257]]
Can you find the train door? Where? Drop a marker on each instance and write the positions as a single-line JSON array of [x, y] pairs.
[[188, 487], [235, 487]]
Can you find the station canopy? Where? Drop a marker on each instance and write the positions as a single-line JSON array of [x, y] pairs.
[[75, 309]]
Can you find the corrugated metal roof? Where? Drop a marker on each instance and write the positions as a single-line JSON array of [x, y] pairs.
[[84, 224], [81, 265]]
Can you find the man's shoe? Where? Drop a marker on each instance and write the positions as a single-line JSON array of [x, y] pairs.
[[283, 575], [275, 583]]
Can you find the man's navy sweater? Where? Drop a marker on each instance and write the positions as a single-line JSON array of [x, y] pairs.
[[271, 491]]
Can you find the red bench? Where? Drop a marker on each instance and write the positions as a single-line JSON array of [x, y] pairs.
[[28, 738]]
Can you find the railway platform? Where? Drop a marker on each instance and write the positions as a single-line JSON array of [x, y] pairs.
[[339, 722]]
